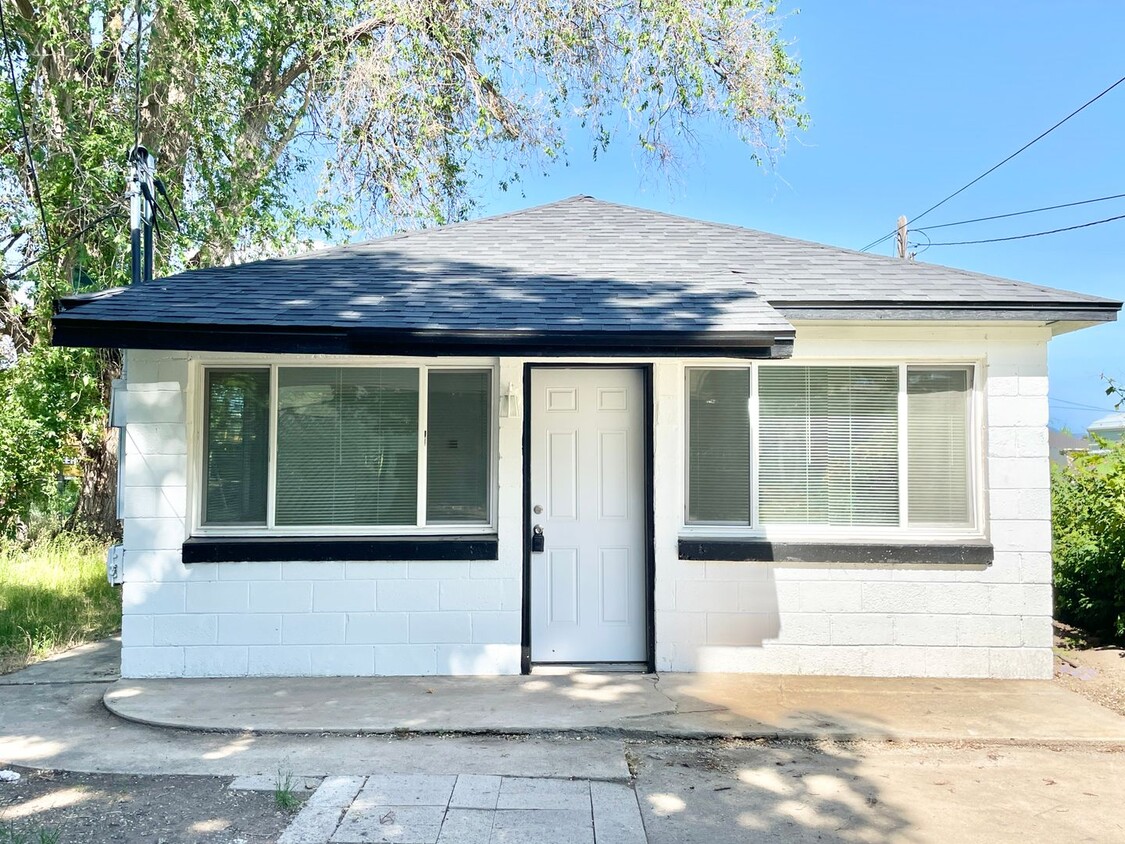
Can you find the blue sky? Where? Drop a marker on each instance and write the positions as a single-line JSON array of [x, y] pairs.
[[908, 102]]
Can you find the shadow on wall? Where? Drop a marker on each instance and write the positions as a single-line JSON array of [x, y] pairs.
[[757, 619], [792, 792]]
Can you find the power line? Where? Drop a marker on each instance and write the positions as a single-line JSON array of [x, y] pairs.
[[995, 167], [62, 246], [1073, 405], [1021, 213], [23, 128], [1025, 236]]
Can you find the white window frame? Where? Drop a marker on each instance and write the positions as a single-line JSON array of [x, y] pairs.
[[903, 531], [197, 454]]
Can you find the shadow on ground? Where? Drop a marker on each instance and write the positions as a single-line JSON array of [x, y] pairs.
[[766, 792]]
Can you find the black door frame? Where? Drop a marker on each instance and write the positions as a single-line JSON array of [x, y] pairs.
[[649, 508]]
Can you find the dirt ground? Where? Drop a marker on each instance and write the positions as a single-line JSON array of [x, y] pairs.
[[877, 792], [57, 807], [1089, 668]]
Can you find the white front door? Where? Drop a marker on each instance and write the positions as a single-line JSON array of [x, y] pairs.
[[587, 484]]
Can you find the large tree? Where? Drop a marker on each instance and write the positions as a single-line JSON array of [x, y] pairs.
[[272, 119]]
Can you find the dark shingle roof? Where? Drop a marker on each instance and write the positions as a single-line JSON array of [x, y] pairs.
[[579, 265]]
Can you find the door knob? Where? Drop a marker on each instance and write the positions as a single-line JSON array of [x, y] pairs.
[[537, 509]]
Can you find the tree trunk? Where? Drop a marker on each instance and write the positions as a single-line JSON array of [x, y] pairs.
[[96, 511]]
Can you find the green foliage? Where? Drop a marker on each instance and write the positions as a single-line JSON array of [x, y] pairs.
[[53, 595], [1088, 514], [284, 795], [10, 834], [274, 122], [50, 404]]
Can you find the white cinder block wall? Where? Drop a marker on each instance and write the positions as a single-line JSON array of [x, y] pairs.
[[364, 618], [296, 618], [870, 620]]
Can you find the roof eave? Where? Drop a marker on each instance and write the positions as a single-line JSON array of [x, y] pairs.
[[1041, 312], [73, 330]]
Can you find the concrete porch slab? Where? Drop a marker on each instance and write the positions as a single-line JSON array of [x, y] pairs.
[[628, 705]]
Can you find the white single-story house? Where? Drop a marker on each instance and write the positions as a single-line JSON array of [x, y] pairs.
[[583, 433]]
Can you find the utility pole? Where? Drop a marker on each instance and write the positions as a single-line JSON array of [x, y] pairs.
[[901, 237], [142, 192]]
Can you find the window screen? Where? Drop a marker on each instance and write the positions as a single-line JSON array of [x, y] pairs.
[[719, 445], [458, 453], [237, 446], [938, 471], [347, 446], [828, 445]]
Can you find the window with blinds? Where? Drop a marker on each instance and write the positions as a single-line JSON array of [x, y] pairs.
[[834, 446], [828, 445], [236, 446], [939, 445], [719, 446], [458, 451], [347, 446], [350, 448]]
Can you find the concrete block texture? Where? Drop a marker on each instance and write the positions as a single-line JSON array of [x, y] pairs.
[[155, 534], [139, 662], [376, 628], [216, 661], [313, 628], [342, 660], [407, 595], [153, 598], [440, 627], [344, 596], [157, 438], [180, 630], [217, 597], [256, 629], [279, 661], [408, 660], [396, 617], [153, 403], [281, 597]]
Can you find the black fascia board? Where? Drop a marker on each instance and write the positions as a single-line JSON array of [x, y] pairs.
[[946, 553], [272, 549], [210, 337]]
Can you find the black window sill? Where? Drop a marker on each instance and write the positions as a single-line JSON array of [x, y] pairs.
[[968, 553], [261, 549]]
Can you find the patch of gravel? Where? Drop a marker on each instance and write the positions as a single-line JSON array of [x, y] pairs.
[[1107, 687], [115, 808], [1074, 650]]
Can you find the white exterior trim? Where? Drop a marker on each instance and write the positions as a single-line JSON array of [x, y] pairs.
[[902, 532], [199, 365]]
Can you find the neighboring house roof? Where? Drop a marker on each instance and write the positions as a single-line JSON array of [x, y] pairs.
[[575, 274], [1108, 427]]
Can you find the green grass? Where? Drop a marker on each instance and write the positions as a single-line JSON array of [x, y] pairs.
[[53, 595], [40, 835], [284, 797]]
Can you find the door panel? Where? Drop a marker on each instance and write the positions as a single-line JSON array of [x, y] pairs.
[[587, 476]]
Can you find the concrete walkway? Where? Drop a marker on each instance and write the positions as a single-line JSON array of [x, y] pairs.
[[467, 809], [627, 706], [52, 716]]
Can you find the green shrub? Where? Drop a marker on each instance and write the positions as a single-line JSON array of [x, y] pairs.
[[1088, 526]]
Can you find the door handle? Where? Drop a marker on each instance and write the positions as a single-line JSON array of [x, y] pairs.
[[537, 540]]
